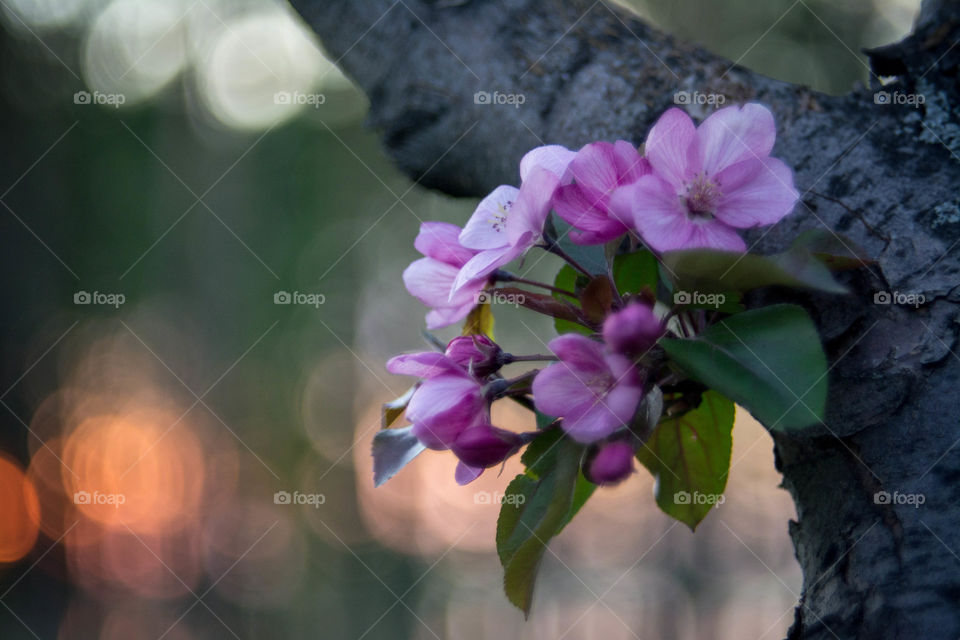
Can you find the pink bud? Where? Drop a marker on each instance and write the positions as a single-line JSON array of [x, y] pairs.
[[484, 446], [612, 463], [632, 330], [476, 353]]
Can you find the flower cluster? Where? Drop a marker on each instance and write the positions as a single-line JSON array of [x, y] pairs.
[[693, 188], [654, 346]]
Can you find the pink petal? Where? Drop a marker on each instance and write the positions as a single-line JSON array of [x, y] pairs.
[[579, 352], [594, 424], [732, 135], [714, 234], [430, 281], [485, 229], [443, 406], [481, 266], [658, 215], [559, 391], [440, 241], [529, 212], [631, 166], [465, 474], [553, 157], [756, 193], [446, 316], [594, 169], [668, 146], [425, 364], [589, 217]]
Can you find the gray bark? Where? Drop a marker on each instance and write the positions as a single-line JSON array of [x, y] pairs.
[[883, 175]]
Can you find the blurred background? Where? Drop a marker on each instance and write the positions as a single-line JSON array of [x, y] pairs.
[[169, 169]]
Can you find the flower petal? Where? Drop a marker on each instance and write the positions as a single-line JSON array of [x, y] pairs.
[[440, 241], [552, 157], [480, 266], [658, 215], [579, 352], [756, 193], [668, 146], [443, 406], [594, 169], [732, 135], [714, 234], [589, 217], [445, 316], [485, 229], [465, 474], [631, 166], [529, 212], [424, 364], [559, 391], [430, 281]]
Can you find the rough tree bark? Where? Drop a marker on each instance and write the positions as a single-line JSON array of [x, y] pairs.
[[883, 175]]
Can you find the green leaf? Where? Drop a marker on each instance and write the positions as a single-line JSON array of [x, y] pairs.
[[570, 279], [536, 507], [834, 250], [767, 360], [713, 271], [634, 271], [392, 450], [689, 455]]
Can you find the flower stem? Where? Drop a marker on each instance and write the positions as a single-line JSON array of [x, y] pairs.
[[506, 276], [510, 358]]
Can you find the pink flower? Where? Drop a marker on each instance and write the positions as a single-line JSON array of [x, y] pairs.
[[509, 221], [632, 330], [448, 401], [707, 182], [612, 464], [478, 354], [597, 171], [594, 392], [430, 279], [482, 446]]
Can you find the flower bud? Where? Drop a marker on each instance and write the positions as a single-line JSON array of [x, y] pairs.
[[632, 330], [612, 463], [476, 353], [484, 445]]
